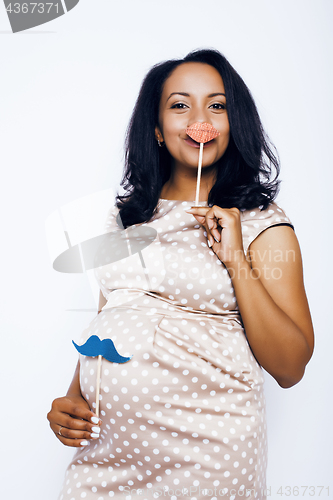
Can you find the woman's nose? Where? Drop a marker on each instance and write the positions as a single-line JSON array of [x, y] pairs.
[[196, 123], [198, 116]]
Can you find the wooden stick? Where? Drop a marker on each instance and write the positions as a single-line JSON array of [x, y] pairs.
[[199, 174], [98, 383]]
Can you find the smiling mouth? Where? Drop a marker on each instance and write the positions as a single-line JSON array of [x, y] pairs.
[[194, 144]]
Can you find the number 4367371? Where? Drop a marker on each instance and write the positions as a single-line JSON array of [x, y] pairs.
[[24, 8], [303, 491]]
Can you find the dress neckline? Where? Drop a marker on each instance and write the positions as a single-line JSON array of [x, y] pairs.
[[183, 201]]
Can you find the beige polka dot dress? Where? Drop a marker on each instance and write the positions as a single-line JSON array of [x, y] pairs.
[[185, 417]]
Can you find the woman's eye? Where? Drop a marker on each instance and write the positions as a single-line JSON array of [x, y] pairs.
[[218, 105], [179, 105]]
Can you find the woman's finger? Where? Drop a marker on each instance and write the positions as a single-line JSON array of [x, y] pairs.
[[77, 443], [210, 224], [66, 421], [67, 433], [78, 410], [217, 220]]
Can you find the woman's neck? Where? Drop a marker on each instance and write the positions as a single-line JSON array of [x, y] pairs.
[[181, 186]]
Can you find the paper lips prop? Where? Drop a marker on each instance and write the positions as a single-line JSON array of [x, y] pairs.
[[202, 132]]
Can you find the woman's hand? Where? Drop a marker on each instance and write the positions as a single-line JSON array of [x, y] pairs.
[[73, 422], [224, 231]]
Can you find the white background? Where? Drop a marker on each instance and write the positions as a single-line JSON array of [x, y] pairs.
[[67, 91]]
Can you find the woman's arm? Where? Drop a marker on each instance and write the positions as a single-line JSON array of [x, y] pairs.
[[270, 294], [72, 415], [273, 304]]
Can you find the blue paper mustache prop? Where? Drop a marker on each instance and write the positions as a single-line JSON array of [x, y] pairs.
[[106, 348]]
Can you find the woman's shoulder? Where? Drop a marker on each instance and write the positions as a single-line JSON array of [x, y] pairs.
[[272, 214], [256, 220]]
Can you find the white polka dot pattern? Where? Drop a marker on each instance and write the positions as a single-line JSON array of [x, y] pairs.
[[187, 413]]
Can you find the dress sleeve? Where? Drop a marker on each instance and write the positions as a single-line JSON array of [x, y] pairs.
[[255, 221]]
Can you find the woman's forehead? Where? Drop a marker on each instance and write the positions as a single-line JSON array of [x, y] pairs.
[[193, 78]]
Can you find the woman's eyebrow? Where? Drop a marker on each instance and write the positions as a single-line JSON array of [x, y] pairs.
[[188, 95], [178, 93]]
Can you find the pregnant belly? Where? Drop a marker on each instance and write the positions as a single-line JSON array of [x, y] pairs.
[[193, 378]]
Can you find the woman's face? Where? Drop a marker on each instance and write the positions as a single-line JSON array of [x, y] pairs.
[[194, 92]]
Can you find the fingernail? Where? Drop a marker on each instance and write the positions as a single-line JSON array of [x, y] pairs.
[[84, 443], [209, 243], [217, 241], [95, 420], [94, 435], [96, 429], [189, 210]]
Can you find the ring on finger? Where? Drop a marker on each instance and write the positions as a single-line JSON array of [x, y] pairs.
[[59, 431]]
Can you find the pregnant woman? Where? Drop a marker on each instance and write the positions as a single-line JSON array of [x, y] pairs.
[[185, 416]]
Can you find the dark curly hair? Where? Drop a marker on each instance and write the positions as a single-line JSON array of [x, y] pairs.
[[247, 172]]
